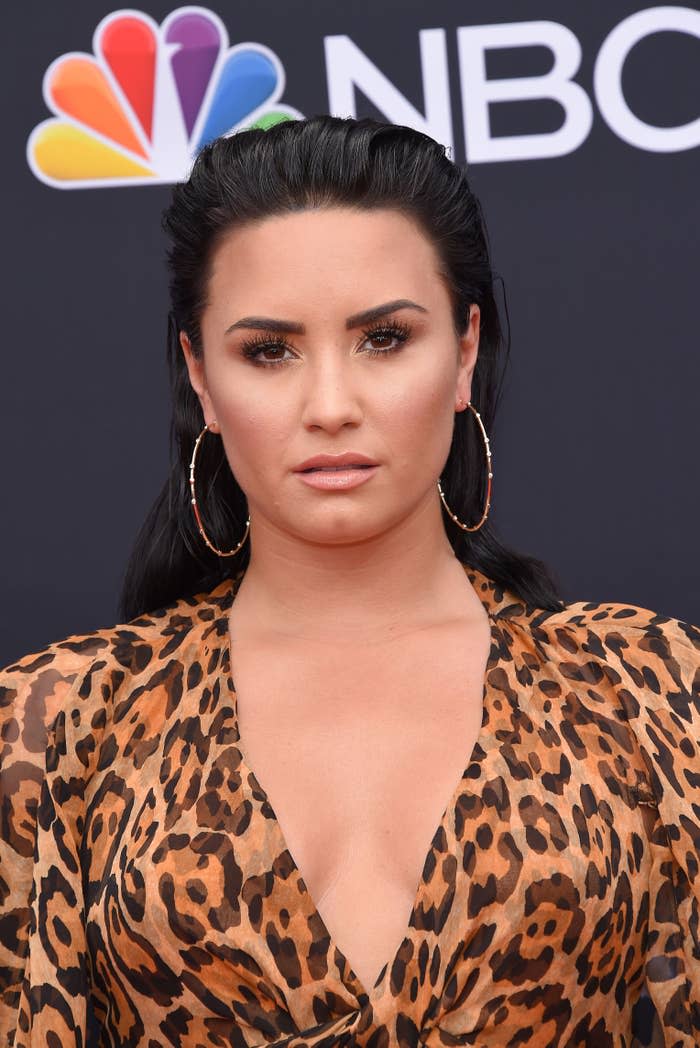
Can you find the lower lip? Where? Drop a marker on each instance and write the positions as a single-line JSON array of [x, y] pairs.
[[338, 479]]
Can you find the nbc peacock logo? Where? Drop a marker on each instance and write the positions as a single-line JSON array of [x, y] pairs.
[[137, 111]]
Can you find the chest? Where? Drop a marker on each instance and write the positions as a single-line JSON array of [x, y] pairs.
[[359, 752], [357, 759]]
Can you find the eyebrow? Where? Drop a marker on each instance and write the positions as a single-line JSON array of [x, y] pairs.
[[356, 320]]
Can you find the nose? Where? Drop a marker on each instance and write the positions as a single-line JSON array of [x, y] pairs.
[[331, 398]]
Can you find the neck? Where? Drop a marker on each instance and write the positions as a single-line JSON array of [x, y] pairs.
[[405, 579]]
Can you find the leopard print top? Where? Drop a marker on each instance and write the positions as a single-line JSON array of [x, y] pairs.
[[146, 891]]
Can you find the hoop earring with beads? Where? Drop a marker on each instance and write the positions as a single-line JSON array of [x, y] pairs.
[[458, 522], [195, 507]]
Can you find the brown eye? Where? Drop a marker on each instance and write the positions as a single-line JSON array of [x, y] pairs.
[[384, 337], [264, 352], [257, 350], [396, 333]]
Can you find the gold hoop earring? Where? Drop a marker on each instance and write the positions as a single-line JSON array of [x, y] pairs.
[[195, 507], [466, 527]]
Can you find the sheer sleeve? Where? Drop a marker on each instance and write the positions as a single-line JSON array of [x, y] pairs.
[[49, 713], [664, 714]]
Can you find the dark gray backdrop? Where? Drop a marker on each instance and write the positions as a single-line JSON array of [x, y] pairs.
[[595, 452]]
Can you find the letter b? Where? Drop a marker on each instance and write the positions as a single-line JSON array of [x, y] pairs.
[[478, 92]]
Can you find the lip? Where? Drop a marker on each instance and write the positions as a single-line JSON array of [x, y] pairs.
[[338, 479], [346, 458]]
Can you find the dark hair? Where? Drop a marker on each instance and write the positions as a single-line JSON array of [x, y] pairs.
[[293, 166]]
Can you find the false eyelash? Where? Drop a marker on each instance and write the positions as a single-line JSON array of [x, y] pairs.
[[395, 328], [252, 347]]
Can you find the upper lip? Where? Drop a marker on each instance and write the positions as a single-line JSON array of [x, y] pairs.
[[347, 458]]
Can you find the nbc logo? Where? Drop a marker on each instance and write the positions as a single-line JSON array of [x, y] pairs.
[[138, 110]]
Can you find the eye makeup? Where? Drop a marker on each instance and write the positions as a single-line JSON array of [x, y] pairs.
[[253, 348]]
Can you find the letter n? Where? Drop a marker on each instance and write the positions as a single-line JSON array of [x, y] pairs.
[[347, 68]]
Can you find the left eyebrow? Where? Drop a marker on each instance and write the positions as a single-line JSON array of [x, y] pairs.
[[368, 315], [356, 320]]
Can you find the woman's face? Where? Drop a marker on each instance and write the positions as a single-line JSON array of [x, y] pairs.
[[291, 369]]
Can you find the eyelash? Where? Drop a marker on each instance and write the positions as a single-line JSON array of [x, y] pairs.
[[394, 329]]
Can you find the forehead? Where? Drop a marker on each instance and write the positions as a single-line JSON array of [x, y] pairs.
[[344, 252]]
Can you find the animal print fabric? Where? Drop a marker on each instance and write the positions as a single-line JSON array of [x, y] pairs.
[[143, 871]]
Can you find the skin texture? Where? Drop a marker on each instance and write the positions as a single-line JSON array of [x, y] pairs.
[[358, 644], [341, 849], [560, 881], [378, 553]]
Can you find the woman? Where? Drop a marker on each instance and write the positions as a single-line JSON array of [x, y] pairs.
[[349, 772]]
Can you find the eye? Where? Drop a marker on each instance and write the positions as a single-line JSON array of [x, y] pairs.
[[254, 348], [395, 331], [259, 348]]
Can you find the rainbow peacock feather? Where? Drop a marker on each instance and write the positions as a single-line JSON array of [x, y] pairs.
[[139, 109]]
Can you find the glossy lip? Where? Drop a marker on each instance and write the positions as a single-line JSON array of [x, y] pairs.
[[346, 458], [337, 479]]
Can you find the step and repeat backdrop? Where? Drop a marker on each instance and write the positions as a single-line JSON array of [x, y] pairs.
[[580, 124]]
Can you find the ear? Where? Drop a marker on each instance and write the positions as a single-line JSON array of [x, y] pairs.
[[468, 353], [198, 381]]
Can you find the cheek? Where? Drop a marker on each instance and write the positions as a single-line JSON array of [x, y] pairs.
[[417, 419], [253, 428]]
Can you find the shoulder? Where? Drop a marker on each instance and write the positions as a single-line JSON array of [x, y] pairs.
[[656, 652], [637, 668], [127, 646], [58, 704], [39, 685], [80, 676], [617, 636], [40, 680]]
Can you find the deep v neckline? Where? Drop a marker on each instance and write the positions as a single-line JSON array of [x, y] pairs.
[[465, 785]]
